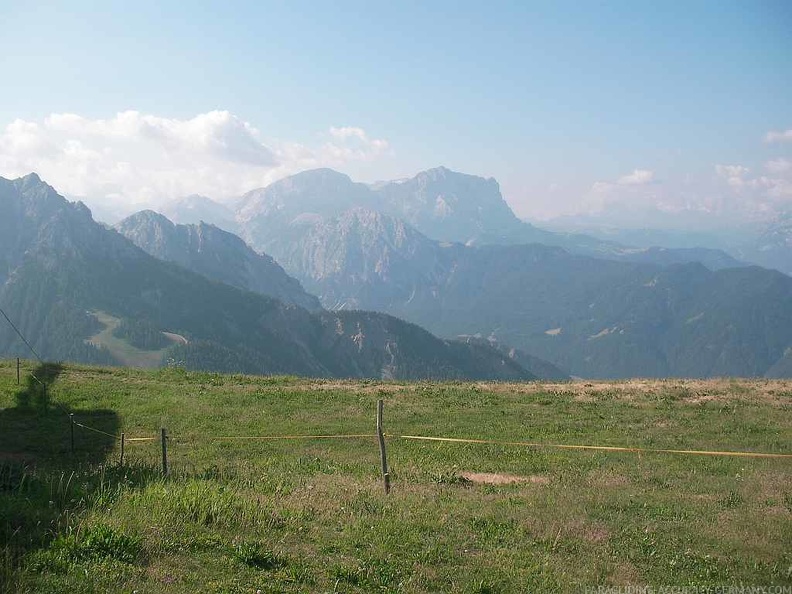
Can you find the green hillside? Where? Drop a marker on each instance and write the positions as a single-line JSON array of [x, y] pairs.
[[310, 515]]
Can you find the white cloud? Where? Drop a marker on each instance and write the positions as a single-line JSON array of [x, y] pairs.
[[601, 187], [136, 159], [354, 144], [778, 166], [345, 132], [639, 177], [762, 193], [733, 174], [728, 171], [779, 136]]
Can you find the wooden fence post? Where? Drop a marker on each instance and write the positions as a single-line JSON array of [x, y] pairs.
[[164, 440], [383, 456], [71, 427], [123, 439]]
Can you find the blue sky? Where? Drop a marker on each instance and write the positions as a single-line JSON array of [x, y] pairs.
[[571, 106]]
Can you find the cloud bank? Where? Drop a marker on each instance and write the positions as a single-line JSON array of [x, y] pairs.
[[736, 193], [136, 159], [763, 192], [779, 136], [639, 177]]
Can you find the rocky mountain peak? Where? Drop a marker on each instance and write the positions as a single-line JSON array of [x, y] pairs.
[[31, 179], [450, 206]]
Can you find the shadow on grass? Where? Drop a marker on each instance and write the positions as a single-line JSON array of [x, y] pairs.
[[45, 482], [38, 430]]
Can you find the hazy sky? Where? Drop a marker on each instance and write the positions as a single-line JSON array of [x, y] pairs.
[[571, 106]]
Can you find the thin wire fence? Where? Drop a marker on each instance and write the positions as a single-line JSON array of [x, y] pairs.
[[527, 444], [164, 438]]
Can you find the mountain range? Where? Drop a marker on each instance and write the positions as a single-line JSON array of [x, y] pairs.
[[766, 241], [442, 204], [591, 317], [771, 246], [64, 277], [218, 254], [626, 312], [441, 250]]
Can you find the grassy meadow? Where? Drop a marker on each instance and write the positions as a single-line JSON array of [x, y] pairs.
[[310, 515]]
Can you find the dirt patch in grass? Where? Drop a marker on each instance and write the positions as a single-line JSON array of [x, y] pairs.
[[607, 479], [590, 532], [765, 485], [703, 497], [625, 574], [495, 478]]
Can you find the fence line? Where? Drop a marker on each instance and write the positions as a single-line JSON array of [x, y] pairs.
[[273, 437], [626, 449], [95, 430], [595, 447]]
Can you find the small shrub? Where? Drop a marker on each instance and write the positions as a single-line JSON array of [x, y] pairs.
[[97, 543], [484, 587], [372, 573], [450, 478], [733, 499], [352, 576], [253, 555], [299, 574]]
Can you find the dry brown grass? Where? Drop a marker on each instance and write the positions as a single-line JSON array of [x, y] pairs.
[[777, 393], [495, 478]]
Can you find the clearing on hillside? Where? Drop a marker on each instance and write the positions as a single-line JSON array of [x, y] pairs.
[[124, 352]]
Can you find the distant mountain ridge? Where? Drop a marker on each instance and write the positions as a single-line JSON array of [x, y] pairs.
[[442, 204], [592, 317], [196, 209], [216, 254], [224, 257], [766, 243], [772, 247], [355, 247], [59, 266], [450, 206]]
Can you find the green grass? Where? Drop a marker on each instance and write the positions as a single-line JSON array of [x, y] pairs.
[[311, 516]]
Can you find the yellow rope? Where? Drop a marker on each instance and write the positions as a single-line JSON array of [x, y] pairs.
[[272, 437], [592, 447], [476, 441], [97, 431]]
